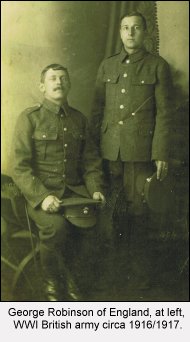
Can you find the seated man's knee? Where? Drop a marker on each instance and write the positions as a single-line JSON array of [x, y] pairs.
[[55, 229]]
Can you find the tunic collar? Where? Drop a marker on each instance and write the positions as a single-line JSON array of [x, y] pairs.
[[135, 57], [54, 108]]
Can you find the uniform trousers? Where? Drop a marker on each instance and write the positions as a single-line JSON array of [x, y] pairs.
[[135, 224], [126, 175], [61, 242], [52, 233]]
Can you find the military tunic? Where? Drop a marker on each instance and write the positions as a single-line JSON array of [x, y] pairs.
[[52, 151], [132, 117], [132, 110]]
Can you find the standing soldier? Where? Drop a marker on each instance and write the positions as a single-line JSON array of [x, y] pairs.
[[131, 117]]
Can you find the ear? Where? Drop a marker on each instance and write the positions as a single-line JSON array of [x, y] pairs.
[[120, 33], [42, 87]]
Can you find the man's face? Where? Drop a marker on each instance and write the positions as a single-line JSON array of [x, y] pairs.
[[132, 32], [56, 85]]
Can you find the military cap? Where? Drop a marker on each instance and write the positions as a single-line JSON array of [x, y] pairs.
[[158, 195], [81, 212]]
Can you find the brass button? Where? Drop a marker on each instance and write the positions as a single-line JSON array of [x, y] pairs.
[[43, 136], [142, 81], [65, 160], [127, 61], [123, 91], [125, 74], [65, 145], [86, 210], [121, 106], [133, 114], [65, 129], [63, 176], [120, 122], [108, 80], [61, 115]]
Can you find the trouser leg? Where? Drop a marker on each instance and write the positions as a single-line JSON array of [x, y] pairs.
[[52, 233], [138, 223], [116, 198], [130, 218], [109, 230]]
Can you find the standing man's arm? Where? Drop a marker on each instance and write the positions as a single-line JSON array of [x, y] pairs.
[[164, 109]]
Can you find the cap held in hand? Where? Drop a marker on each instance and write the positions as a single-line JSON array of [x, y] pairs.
[[159, 196], [81, 212]]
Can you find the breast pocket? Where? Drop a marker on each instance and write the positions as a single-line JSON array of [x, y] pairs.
[[143, 81], [76, 141], [111, 82], [110, 79], [78, 135], [143, 91], [44, 142]]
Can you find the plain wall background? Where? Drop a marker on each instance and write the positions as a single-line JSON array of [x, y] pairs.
[[35, 34], [173, 21]]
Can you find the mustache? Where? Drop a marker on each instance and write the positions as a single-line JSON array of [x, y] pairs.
[[58, 88]]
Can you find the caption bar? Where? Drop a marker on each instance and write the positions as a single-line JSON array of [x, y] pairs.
[[89, 319]]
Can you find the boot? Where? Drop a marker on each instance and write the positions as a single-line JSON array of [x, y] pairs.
[[71, 290], [73, 293], [51, 290], [53, 286], [58, 284]]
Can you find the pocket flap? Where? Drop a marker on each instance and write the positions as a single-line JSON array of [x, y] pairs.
[[41, 135], [108, 78], [143, 80]]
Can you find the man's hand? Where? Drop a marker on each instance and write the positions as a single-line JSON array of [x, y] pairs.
[[51, 204], [162, 169], [98, 196]]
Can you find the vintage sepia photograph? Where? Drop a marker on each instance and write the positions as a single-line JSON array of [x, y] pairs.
[[94, 135]]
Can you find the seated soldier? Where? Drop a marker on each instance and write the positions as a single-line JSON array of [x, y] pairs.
[[54, 158]]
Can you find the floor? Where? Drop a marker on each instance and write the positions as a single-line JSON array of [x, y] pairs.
[[109, 270]]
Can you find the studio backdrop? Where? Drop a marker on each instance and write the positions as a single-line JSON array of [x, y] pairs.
[[77, 34]]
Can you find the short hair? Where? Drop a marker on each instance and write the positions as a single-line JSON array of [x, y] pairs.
[[54, 67], [135, 14]]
